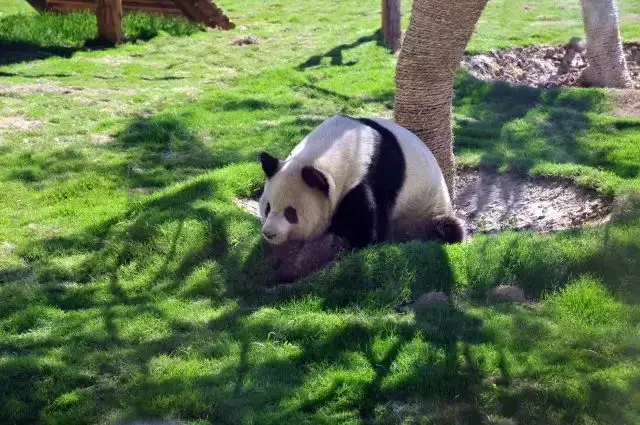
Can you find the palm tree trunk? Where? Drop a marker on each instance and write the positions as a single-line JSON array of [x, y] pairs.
[[607, 66], [437, 36]]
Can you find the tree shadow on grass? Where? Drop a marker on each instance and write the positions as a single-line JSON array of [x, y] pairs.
[[348, 103], [450, 332], [362, 279], [336, 53], [445, 329], [165, 150], [17, 52], [237, 379], [109, 249], [544, 264], [159, 151], [517, 126]]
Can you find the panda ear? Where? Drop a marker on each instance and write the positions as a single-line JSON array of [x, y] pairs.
[[270, 164], [315, 179]]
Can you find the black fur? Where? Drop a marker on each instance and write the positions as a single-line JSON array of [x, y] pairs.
[[363, 216], [315, 179], [443, 229], [269, 164], [448, 229], [356, 217]]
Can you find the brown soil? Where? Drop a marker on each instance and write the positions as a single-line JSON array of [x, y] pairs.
[[490, 203], [243, 41], [542, 66]]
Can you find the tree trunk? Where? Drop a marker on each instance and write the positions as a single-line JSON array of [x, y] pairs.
[[607, 66], [109, 14], [391, 24], [431, 52]]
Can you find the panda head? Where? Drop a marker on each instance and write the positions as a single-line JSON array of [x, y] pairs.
[[294, 205]]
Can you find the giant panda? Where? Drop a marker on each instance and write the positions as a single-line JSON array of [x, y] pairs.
[[350, 183]]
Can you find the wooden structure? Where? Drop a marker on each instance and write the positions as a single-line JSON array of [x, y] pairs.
[[109, 14], [391, 20], [204, 11]]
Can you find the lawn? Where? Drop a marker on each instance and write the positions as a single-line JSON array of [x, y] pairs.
[[132, 286]]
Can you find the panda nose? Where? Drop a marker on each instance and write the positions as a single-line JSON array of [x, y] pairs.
[[269, 235]]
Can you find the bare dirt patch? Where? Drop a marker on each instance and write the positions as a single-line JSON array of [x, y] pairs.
[[542, 66], [101, 139], [18, 123], [41, 87], [115, 60], [490, 203], [249, 205], [244, 41], [628, 103]]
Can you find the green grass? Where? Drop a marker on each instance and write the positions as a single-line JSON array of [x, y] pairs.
[[567, 133], [130, 284], [13, 7], [511, 23], [52, 30]]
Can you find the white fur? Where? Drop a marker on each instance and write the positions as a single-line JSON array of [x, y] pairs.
[[287, 189], [342, 148]]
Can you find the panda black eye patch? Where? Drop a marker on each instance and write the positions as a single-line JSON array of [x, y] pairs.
[[291, 215], [268, 209]]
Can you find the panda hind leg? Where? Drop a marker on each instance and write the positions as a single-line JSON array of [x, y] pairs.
[[445, 229]]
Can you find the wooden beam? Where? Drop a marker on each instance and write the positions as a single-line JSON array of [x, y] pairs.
[[109, 14], [204, 11], [391, 29], [189, 10]]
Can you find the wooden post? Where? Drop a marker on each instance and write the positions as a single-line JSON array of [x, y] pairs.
[[109, 14], [391, 28]]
